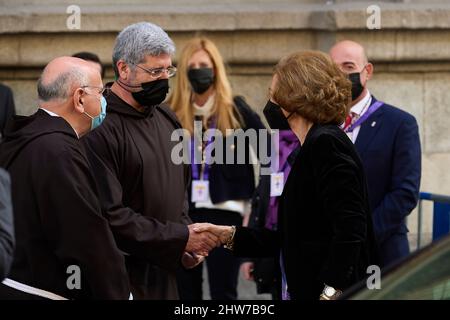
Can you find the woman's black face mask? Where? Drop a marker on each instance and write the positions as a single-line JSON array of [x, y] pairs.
[[201, 79], [275, 116]]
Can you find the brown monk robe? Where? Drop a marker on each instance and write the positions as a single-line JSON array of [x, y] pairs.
[[64, 245], [143, 193]]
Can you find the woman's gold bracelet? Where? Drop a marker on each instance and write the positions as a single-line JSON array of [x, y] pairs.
[[230, 241]]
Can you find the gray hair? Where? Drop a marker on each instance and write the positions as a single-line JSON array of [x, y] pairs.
[[139, 40], [61, 86]]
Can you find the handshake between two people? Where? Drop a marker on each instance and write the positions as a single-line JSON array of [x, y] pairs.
[[203, 237]]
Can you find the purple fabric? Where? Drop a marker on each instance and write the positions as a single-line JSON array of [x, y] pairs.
[[288, 141], [374, 107]]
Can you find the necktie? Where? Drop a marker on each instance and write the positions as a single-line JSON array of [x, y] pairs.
[[350, 120]]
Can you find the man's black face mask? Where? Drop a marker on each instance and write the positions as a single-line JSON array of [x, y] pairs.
[[152, 93], [357, 87]]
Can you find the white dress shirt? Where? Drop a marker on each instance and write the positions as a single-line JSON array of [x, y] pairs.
[[50, 113], [358, 110]]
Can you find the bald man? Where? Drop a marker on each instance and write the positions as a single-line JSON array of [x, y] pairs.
[[64, 246], [388, 143]]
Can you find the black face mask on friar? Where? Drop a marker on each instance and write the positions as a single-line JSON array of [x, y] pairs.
[[152, 93]]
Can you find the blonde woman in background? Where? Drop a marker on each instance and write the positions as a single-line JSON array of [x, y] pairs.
[[202, 92]]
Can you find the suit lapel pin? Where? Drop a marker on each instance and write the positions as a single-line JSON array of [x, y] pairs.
[[373, 124]]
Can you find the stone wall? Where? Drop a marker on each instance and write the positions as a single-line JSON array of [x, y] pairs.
[[411, 51]]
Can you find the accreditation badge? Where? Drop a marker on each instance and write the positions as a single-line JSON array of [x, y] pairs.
[[200, 191], [276, 184]]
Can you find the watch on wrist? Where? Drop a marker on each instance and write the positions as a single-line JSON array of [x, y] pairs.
[[330, 293]]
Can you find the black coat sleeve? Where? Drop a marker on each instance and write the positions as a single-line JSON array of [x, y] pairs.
[[71, 219], [252, 121], [255, 243], [6, 225], [250, 117], [161, 243], [340, 188]]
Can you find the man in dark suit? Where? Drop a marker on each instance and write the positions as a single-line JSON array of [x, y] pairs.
[[7, 109], [387, 140]]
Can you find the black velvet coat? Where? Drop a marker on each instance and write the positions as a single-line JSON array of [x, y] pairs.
[[325, 229]]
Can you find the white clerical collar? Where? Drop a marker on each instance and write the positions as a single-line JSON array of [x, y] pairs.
[[50, 113], [206, 109], [362, 105]]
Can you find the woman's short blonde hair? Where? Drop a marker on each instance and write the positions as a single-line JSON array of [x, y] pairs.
[[312, 85]]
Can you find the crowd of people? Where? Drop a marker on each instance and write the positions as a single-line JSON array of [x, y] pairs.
[[92, 205]]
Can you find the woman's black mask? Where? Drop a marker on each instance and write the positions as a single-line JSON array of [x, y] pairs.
[[275, 116], [201, 79]]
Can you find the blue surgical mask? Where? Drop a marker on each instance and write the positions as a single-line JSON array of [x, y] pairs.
[[97, 121]]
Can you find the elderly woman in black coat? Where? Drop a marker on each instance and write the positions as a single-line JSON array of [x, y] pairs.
[[324, 241]]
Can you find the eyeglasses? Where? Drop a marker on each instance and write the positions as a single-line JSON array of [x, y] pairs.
[[100, 90], [157, 72]]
